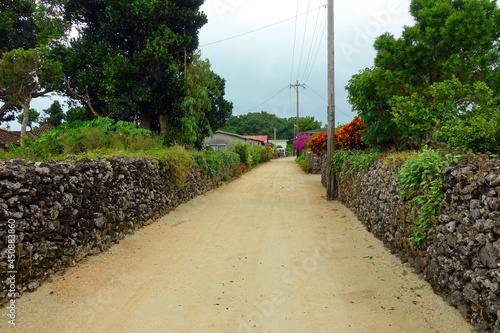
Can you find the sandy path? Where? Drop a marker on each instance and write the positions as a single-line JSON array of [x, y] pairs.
[[265, 253]]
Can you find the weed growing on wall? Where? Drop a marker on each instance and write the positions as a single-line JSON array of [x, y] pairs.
[[421, 183], [355, 158], [356, 162]]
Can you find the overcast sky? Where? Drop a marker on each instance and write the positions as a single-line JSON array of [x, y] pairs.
[[262, 64], [259, 66]]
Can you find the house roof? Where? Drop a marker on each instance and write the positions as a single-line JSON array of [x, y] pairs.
[[262, 138], [43, 128], [240, 136], [15, 136], [8, 137], [29, 134]]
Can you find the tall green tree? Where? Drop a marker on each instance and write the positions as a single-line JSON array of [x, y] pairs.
[[24, 75], [54, 115], [202, 111], [28, 24], [130, 57], [308, 123], [450, 39]]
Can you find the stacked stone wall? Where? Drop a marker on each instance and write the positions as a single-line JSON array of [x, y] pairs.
[[462, 261], [315, 162], [62, 212]]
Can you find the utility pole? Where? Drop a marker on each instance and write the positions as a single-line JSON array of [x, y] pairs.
[[330, 184], [297, 86]]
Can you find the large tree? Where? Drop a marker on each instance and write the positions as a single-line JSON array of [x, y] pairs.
[[202, 111], [25, 25], [451, 39], [33, 119], [130, 57], [54, 115], [24, 75]]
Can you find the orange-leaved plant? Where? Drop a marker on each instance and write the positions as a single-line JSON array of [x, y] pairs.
[[349, 136], [318, 144]]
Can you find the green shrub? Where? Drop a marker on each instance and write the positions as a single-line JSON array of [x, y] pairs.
[[255, 153], [244, 151], [216, 163], [82, 137], [356, 160], [477, 132], [355, 164], [304, 165]]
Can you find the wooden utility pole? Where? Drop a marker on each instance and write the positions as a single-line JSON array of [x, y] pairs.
[[330, 184], [297, 86]]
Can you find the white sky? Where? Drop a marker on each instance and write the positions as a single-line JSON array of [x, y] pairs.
[[258, 65]]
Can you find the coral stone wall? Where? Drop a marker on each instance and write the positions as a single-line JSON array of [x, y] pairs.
[[65, 211], [315, 162], [462, 261]]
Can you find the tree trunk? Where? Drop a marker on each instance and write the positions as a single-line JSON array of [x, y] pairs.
[[24, 124], [144, 117], [163, 123]]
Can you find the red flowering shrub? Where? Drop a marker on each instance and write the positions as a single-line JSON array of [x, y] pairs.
[[318, 144], [349, 136]]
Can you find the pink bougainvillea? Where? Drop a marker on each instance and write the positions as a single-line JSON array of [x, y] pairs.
[[300, 142]]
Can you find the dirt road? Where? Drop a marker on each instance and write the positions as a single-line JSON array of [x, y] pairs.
[[265, 253]]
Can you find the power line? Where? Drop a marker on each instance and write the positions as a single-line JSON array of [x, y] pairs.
[[308, 71], [312, 44], [304, 38], [314, 91], [267, 100], [317, 52], [294, 41], [336, 108], [259, 29]]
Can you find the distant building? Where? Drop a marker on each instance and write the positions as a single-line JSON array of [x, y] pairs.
[[13, 137], [262, 138], [225, 141], [8, 137], [282, 143]]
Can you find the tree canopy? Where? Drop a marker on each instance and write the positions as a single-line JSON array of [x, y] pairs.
[[452, 41], [263, 123], [26, 25], [54, 115], [24, 75], [131, 60]]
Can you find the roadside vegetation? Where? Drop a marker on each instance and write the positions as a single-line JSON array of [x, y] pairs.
[[103, 137]]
